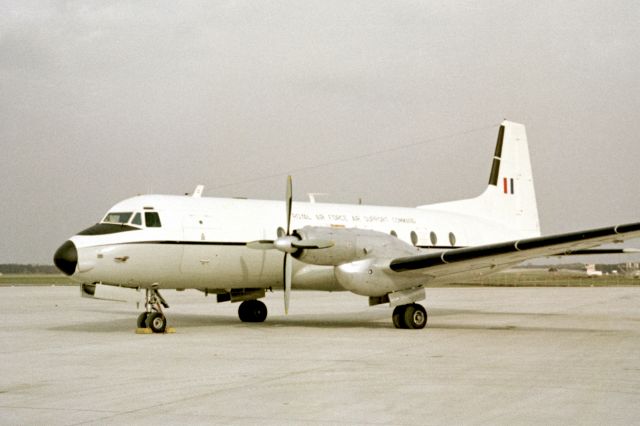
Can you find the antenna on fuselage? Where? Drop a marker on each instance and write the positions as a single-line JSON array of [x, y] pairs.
[[313, 195], [197, 193]]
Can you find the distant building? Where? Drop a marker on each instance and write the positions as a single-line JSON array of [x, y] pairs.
[[632, 269], [591, 270]]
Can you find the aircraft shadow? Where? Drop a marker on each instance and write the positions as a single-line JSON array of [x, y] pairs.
[[370, 320], [516, 328], [379, 319]]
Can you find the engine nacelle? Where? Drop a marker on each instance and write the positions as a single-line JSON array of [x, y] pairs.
[[349, 245], [371, 277]]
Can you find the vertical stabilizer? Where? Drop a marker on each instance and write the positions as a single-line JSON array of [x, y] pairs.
[[510, 198]]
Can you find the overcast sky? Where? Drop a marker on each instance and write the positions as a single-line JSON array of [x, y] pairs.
[[100, 101]]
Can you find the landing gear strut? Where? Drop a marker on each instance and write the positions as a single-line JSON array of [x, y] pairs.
[[252, 311], [153, 317], [413, 316]]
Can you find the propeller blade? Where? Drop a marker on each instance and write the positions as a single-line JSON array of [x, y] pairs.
[[288, 271], [312, 244], [260, 244], [289, 201], [284, 243]]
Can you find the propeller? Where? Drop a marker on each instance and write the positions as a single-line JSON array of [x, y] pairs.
[[285, 245], [288, 243]]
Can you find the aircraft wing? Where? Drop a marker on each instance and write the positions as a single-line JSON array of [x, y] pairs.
[[495, 256]]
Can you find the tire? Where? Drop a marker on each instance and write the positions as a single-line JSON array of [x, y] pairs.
[[242, 312], [142, 320], [398, 317], [259, 311], [415, 316], [252, 311], [157, 322]]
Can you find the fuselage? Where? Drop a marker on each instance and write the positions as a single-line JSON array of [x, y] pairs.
[[238, 248], [202, 242]]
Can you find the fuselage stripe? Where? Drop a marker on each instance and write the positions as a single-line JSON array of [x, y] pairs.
[[240, 244], [191, 243], [176, 242]]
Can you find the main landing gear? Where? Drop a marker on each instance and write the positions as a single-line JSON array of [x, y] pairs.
[[252, 311], [153, 317], [413, 316]]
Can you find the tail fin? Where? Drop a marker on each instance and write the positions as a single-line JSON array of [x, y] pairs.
[[510, 198]]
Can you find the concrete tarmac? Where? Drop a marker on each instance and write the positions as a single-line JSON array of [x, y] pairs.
[[488, 356]]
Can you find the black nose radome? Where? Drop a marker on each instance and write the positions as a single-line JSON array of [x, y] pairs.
[[66, 258]]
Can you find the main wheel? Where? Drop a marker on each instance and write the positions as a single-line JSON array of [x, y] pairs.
[[142, 320], [157, 322], [398, 316], [415, 316], [252, 311]]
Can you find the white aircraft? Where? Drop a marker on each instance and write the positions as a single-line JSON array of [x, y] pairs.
[[239, 248]]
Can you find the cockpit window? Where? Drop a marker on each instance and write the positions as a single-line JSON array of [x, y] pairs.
[[152, 219], [113, 217], [137, 220]]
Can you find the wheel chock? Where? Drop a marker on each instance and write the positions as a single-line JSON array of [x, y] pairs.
[[147, 330]]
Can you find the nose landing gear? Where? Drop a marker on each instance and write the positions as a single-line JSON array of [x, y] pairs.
[[153, 317]]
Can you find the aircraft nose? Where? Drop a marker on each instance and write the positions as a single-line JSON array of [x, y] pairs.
[[66, 258]]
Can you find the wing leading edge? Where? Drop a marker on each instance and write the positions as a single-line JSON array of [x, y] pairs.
[[512, 252]]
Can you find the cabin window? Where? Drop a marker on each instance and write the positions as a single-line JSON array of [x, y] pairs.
[[452, 238], [113, 217], [414, 238], [434, 238], [137, 219], [152, 219], [393, 233]]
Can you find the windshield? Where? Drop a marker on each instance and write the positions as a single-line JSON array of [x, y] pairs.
[[117, 217]]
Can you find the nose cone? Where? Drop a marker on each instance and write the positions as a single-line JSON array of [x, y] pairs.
[[66, 258]]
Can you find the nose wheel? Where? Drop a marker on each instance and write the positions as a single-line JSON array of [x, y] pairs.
[[142, 320], [413, 316], [153, 317], [157, 322]]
